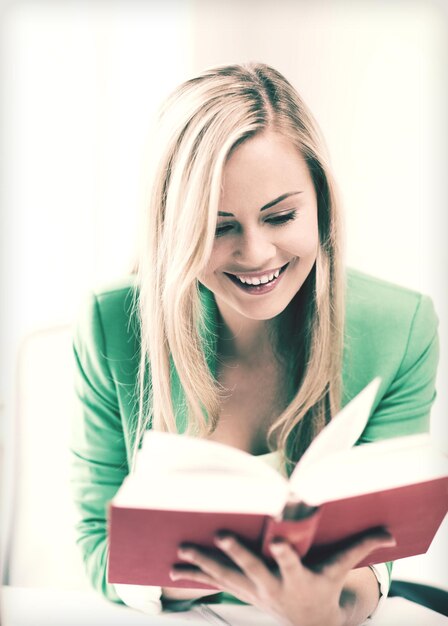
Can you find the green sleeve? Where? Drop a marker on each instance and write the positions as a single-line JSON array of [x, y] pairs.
[[405, 407], [99, 462]]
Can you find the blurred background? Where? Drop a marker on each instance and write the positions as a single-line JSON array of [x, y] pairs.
[[80, 82]]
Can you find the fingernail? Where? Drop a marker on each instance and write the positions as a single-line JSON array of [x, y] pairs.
[[391, 542], [183, 553], [223, 541], [277, 546], [389, 539]]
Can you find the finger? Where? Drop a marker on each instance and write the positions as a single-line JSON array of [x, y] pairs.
[[221, 574], [194, 575], [252, 566], [346, 560], [288, 561]]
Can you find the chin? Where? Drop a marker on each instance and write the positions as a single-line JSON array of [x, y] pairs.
[[260, 313]]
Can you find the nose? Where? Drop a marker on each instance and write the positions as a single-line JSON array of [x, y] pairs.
[[255, 249]]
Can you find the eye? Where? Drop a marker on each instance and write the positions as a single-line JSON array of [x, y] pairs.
[[274, 220], [223, 229], [278, 220]]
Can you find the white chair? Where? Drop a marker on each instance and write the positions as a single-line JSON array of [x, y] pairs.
[[40, 517]]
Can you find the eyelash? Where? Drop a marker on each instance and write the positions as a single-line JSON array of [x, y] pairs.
[[276, 220]]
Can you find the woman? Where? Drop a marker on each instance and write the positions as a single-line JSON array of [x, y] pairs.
[[241, 326]]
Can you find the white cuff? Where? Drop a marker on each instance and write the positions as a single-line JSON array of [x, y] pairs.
[[141, 597], [382, 575]]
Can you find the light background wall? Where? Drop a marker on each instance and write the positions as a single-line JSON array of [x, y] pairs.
[[375, 77], [80, 82]]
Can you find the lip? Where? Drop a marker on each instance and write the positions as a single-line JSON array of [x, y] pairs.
[[257, 274], [257, 290]]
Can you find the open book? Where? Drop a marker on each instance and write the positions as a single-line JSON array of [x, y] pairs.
[[185, 489]]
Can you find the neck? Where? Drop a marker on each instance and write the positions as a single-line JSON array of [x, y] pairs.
[[243, 339]]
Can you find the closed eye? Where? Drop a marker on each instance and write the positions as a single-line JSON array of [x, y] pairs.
[[274, 220], [222, 230], [282, 219]]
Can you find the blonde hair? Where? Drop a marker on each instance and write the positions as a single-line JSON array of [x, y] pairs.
[[199, 126]]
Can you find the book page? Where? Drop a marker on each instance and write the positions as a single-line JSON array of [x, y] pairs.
[[378, 466], [187, 473], [341, 433], [206, 492], [172, 452]]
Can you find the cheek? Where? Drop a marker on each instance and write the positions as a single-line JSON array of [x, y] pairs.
[[302, 242], [216, 260], [220, 255]]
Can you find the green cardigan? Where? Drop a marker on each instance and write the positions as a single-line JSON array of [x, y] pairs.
[[390, 332]]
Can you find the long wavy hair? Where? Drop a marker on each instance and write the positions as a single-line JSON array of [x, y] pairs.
[[197, 129]]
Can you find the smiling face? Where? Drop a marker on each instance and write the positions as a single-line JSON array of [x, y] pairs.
[[267, 233]]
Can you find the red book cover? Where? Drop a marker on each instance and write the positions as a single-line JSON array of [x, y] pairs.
[[186, 489], [144, 543], [412, 514]]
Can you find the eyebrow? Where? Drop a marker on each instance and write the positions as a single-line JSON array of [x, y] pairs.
[[268, 205]]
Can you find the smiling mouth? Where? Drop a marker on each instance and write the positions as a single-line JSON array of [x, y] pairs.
[[257, 284]]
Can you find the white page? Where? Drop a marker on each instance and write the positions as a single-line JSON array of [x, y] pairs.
[[386, 464], [175, 471], [341, 433], [206, 492], [162, 453]]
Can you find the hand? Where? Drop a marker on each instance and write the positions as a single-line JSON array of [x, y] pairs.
[[295, 594]]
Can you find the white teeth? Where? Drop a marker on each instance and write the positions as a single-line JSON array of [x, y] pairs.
[[262, 280]]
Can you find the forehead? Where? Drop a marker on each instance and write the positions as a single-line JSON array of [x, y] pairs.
[[262, 168]]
